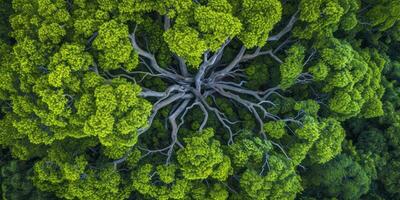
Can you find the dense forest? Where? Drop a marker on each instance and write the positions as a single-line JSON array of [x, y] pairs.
[[200, 99]]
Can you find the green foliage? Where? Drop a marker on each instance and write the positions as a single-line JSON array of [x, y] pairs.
[[328, 145], [258, 19], [292, 66], [281, 182], [384, 14], [6, 11], [310, 107], [76, 97], [258, 75], [167, 173], [116, 51], [186, 43], [142, 182], [352, 78], [15, 182], [341, 178], [320, 71], [103, 184], [202, 157], [249, 152], [275, 129], [322, 18], [70, 59], [210, 20]]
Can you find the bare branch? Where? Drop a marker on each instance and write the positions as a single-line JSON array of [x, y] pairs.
[[231, 65], [285, 30], [208, 62], [161, 104], [150, 93], [95, 68], [240, 90], [174, 132], [90, 40], [121, 75], [212, 80], [182, 66], [284, 43], [251, 56], [274, 56], [153, 61], [266, 164], [220, 115], [309, 57], [280, 147], [167, 22], [304, 78], [251, 106], [203, 124]]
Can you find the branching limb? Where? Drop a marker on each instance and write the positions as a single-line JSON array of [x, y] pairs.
[[150, 73], [150, 93], [251, 56], [95, 68], [174, 126], [206, 63], [90, 40], [142, 61], [266, 164], [120, 75], [153, 62], [152, 151], [275, 57], [283, 44], [240, 90], [309, 57], [270, 92], [212, 80], [220, 115], [232, 83], [182, 66], [250, 106], [258, 52], [161, 104], [229, 188], [285, 30], [204, 110], [280, 147], [234, 63], [187, 109], [174, 134], [305, 78], [293, 121], [167, 22]]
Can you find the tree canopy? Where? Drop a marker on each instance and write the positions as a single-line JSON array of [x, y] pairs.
[[199, 99]]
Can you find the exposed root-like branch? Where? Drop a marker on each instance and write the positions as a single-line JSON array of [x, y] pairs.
[[304, 78], [153, 62], [213, 80], [174, 127], [265, 164], [182, 66], [167, 22], [208, 62], [222, 73], [161, 104], [287, 28]]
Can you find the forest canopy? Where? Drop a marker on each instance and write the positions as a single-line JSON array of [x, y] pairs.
[[199, 99]]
